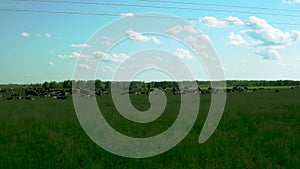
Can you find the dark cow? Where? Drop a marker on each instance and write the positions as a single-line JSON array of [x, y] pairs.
[[62, 97], [9, 98], [31, 93], [28, 98]]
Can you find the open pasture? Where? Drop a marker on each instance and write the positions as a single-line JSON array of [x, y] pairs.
[[258, 129]]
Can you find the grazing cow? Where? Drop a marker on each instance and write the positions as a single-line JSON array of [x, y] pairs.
[[197, 92], [9, 98], [276, 91], [15, 95], [28, 98], [98, 92], [153, 93], [31, 93], [206, 92], [174, 91], [62, 97], [87, 93], [11, 90], [105, 92]]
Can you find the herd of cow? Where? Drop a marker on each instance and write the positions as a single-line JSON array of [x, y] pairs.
[[32, 93], [62, 94]]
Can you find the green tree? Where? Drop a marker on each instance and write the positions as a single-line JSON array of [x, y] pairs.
[[67, 84], [98, 84], [53, 85], [45, 85]]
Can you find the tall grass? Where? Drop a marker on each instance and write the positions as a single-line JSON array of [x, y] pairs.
[[258, 130]]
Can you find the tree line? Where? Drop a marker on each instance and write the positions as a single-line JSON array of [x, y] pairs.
[[98, 84]]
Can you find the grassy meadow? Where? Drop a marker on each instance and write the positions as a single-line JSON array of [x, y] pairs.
[[260, 129]]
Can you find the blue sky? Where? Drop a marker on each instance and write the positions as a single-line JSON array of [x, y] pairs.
[[39, 47]]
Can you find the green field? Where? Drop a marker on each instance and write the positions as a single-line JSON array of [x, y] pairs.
[[260, 129]]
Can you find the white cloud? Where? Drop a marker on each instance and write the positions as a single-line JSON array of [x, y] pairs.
[[236, 39], [127, 14], [25, 34], [183, 54], [155, 40], [291, 2], [295, 36], [107, 40], [76, 55], [268, 54], [106, 69], [191, 33], [233, 21], [80, 45], [264, 33], [175, 30], [38, 35], [133, 35], [264, 38], [112, 57], [137, 36], [213, 22], [84, 66], [183, 29], [48, 35], [65, 56], [118, 57], [191, 29], [51, 63]]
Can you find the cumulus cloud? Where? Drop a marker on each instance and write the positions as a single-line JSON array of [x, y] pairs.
[[25, 34], [80, 45], [236, 39], [183, 54], [259, 32], [191, 33], [264, 38], [175, 30], [137, 36], [213, 22], [193, 36], [264, 33], [268, 54], [127, 14], [295, 36], [111, 57]]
